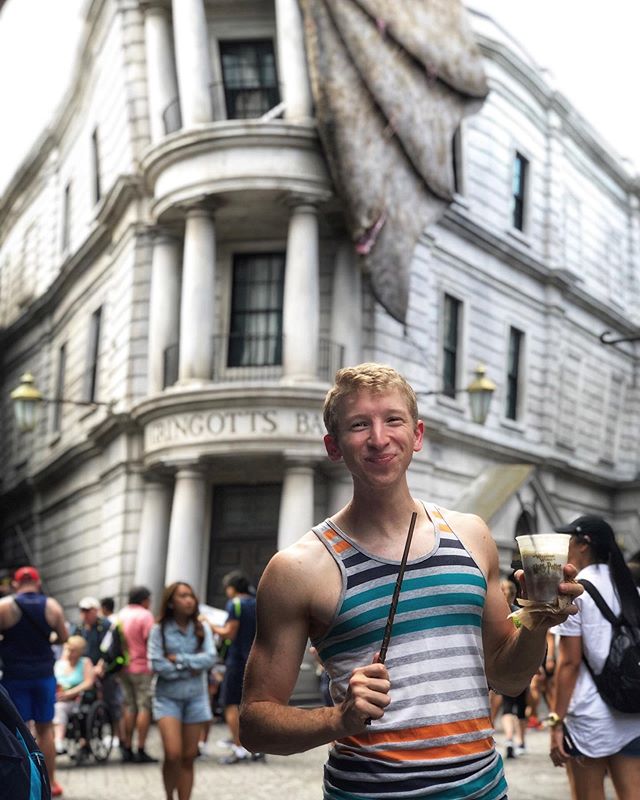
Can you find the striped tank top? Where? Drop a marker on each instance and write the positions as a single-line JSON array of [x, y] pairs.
[[435, 740]]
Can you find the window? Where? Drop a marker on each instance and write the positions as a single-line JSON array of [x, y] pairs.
[[249, 77], [59, 389], [452, 309], [255, 332], [520, 170], [91, 375], [513, 372], [66, 218], [95, 152], [456, 161]]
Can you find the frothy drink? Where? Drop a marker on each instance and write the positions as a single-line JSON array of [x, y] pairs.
[[543, 556]]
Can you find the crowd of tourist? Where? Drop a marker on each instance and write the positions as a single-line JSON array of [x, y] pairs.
[[178, 669]]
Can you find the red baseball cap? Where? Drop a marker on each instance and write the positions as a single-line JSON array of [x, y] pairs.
[[24, 574]]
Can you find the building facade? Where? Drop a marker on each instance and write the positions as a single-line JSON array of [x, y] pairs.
[[173, 255]]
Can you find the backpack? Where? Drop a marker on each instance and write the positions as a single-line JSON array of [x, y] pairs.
[[619, 681], [113, 648], [23, 771]]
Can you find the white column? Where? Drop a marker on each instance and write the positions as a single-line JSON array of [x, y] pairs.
[[301, 312], [154, 537], [346, 305], [292, 61], [296, 504], [164, 307], [187, 528], [192, 60], [197, 322], [161, 72]]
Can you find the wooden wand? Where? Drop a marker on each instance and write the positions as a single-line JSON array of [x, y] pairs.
[[396, 592]]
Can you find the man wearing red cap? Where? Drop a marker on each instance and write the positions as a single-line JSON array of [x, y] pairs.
[[27, 620]]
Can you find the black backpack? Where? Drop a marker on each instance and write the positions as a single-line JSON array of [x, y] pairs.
[[619, 681], [23, 772], [113, 649]]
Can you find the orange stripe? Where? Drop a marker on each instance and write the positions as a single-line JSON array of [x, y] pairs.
[[433, 753], [425, 733], [340, 546]]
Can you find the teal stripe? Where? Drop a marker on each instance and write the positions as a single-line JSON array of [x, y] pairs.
[[455, 793], [411, 604], [411, 584], [399, 628]]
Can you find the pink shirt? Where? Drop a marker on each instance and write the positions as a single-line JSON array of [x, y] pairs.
[[136, 622]]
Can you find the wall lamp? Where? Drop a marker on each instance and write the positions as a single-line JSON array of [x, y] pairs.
[[27, 400], [480, 392]]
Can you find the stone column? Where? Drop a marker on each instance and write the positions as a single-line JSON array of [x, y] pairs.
[[197, 321], [164, 306], [301, 312], [154, 538], [161, 71], [193, 61], [187, 528], [292, 61], [346, 305], [296, 503]]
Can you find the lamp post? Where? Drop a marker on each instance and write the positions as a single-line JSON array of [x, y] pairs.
[[27, 401], [480, 392]]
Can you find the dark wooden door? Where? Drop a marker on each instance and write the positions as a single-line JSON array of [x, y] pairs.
[[244, 534]]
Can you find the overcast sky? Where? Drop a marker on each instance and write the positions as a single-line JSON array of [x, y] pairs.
[[591, 48]]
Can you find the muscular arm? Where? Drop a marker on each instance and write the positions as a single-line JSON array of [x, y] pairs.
[[512, 655], [55, 617], [267, 723]]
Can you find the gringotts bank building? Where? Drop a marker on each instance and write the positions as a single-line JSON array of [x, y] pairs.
[[233, 200]]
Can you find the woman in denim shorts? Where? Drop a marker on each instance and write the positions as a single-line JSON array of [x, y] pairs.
[[181, 652]]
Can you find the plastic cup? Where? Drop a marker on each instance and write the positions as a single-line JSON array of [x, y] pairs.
[[543, 556]]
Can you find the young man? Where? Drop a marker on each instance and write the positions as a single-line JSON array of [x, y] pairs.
[[136, 620], [27, 620], [239, 630], [420, 721]]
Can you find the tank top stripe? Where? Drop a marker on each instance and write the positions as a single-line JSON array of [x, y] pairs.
[[435, 740]]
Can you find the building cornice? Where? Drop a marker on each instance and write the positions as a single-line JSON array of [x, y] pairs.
[[126, 190], [457, 220]]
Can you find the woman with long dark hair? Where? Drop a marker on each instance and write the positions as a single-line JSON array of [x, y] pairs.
[[587, 735], [181, 652]]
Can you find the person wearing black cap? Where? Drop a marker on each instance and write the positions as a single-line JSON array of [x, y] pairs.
[[27, 620], [587, 735]]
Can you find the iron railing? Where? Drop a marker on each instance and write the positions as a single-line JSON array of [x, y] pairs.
[[241, 357]]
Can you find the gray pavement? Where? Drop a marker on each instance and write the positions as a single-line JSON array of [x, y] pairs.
[[530, 777]]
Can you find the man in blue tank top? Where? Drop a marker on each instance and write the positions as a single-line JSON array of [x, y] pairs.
[[27, 620], [418, 725]]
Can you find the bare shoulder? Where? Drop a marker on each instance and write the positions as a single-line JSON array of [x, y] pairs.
[[474, 533], [301, 580], [294, 569]]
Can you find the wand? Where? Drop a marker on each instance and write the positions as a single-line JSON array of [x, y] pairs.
[[386, 638]]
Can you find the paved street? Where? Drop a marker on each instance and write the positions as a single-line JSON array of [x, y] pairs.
[[530, 777]]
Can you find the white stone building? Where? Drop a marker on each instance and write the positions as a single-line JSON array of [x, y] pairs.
[[172, 247]]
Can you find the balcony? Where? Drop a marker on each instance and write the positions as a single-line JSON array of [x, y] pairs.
[[238, 358]]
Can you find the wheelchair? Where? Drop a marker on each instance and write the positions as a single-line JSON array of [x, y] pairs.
[[90, 730]]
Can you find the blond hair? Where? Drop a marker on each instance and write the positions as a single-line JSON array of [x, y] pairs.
[[368, 377], [77, 643]]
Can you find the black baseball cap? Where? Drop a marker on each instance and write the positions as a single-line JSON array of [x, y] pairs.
[[588, 525]]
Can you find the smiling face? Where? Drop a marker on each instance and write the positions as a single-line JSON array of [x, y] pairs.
[[376, 437]]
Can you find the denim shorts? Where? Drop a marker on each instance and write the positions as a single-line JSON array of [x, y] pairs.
[[632, 748], [189, 710]]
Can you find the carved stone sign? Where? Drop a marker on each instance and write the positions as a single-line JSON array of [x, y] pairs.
[[233, 425]]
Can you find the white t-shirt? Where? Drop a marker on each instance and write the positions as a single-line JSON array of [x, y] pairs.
[[596, 729]]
